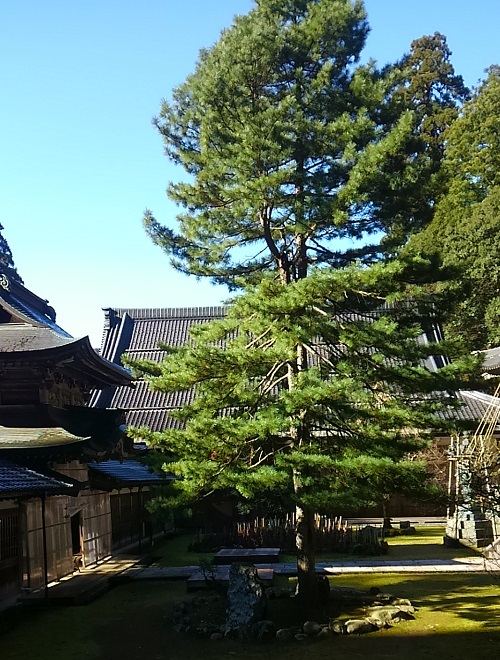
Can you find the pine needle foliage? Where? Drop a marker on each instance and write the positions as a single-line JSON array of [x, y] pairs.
[[291, 146], [321, 387]]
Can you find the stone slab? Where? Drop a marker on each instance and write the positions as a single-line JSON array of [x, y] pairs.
[[249, 555]]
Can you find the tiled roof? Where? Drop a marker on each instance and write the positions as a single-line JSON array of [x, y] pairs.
[[26, 307], [161, 313], [476, 404], [491, 363], [28, 332], [156, 419], [170, 326], [20, 480], [128, 398], [128, 472], [15, 337], [137, 332], [38, 346]]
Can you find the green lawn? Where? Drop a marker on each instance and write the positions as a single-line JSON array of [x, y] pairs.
[[458, 617], [427, 543]]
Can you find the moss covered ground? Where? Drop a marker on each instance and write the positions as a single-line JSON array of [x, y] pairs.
[[458, 617]]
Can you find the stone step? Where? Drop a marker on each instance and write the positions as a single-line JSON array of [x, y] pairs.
[[220, 576]]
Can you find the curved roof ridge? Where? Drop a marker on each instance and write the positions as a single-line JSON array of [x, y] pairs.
[[172, 312]]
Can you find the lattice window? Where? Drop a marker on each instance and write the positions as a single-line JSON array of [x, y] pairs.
[[9, 536]]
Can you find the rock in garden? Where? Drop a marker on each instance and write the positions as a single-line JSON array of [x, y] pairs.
[[337, 627], [359, 627], [324, 633], [284, 634], [408, 610], [311, 628], [385, 598], [215, 637], [389, 614], [246, 600]]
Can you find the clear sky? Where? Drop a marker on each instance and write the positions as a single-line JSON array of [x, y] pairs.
[[80, 160]]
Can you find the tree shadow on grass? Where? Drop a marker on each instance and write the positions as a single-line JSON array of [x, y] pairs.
[[455, 601], [456, 619], [471, 598]]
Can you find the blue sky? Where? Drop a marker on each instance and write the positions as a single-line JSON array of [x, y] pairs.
[[80, 160]]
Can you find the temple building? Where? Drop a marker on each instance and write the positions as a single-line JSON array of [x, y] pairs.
[[71, 489]]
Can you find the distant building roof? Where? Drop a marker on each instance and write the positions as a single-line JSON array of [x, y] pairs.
[[137, 332], [128, 472], [491, 364], [17, 480]]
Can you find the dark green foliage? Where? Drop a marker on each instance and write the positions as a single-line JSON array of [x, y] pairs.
[[6, 260], [473, 148], [424, 83], [290, 145], [465, 233], [322, 378]]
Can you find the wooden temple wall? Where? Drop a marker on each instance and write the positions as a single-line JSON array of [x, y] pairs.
[[96, 526], [58, 532], [94, 510], [75, 527], [128, 516]]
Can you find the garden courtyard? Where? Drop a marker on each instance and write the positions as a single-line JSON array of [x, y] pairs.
[[458, 616]]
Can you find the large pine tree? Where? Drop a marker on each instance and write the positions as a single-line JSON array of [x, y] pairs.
[[318, 390], [281, 133]]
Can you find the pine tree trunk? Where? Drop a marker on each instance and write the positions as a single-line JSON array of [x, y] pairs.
[[307, 591], [306, 562]]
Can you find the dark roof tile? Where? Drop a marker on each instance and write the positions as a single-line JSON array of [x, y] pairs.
[[16, 337], [137, 333], [17, 479], [129, 472], [156, 419], [492, 360], [143, 397]]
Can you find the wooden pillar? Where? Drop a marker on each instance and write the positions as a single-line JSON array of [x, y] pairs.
[[44, 545]]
